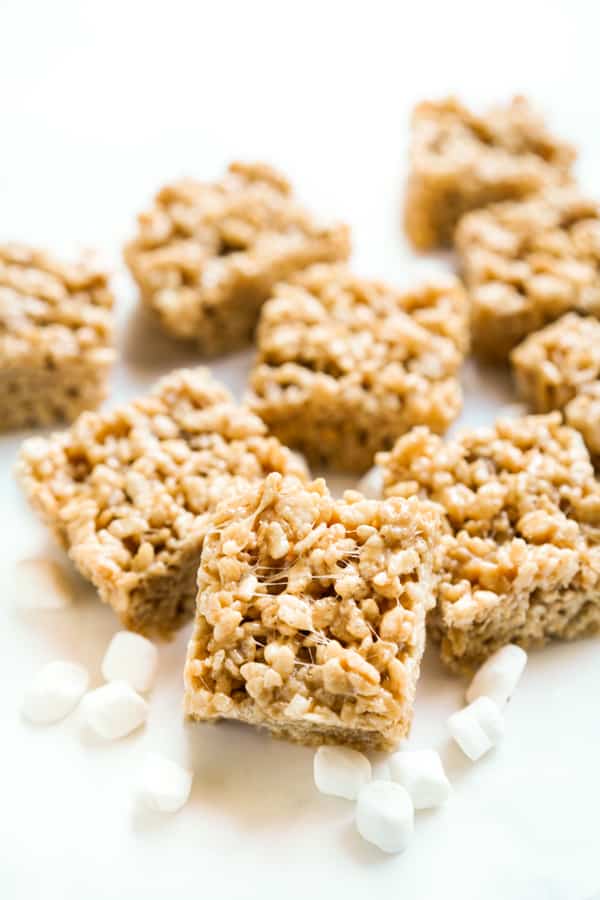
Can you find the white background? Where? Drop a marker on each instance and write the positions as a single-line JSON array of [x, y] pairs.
[[100, 104]]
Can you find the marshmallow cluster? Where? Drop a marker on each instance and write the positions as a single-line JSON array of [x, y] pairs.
[[412, 780], [113, 710], [385, 806]]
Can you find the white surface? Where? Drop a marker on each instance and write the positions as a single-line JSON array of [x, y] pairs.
[[103, 102]]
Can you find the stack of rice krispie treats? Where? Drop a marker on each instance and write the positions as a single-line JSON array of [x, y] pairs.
[[310, 612]]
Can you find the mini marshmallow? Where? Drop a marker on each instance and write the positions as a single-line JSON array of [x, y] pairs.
[[55, 690], [499, 675], [385, 815], [477, 728], [422, 774], [340, 771], [164, 786], [131, 658], [114, 710], [40, 584], [371, 484]]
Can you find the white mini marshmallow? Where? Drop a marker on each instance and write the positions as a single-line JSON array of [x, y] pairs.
[[477, 728], [371, 484], [499, 675], [55, 690], [340, 771], [114, 710], [422, 774], [385, 815], [164, 785], [40, 583], [131, 658]]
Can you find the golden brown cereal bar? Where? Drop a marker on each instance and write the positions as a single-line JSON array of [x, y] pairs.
[[311, 613]]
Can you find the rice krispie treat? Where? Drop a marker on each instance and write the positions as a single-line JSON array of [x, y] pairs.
[[207, 254], [129, 493], [56, 333], [311, 613], [520, 559], [551, 365], [460, 161], [583, 413], [346, 365], [526, 264]]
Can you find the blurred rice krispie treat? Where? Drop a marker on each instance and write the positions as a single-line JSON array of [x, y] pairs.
[[553, 364], [520, 558], [526, 264], [56, 335], [345, 365], [311, 613], [583, 413], [207, 254], [129, 492], [460, 161]]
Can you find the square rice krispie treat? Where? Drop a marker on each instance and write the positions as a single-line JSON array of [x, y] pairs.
[[56, 334], [460, 161], [311, 613], [583, 413], [520, 559], [345, 365], [553, 364], [207, 254], [526, 264], [129, 493]]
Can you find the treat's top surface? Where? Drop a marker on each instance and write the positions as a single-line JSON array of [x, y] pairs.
[[543, 251], [50, 311], [198, 234], [139, 481], [521, 503], [565, 352], [312, 606], [506, 142], [329, 321]]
